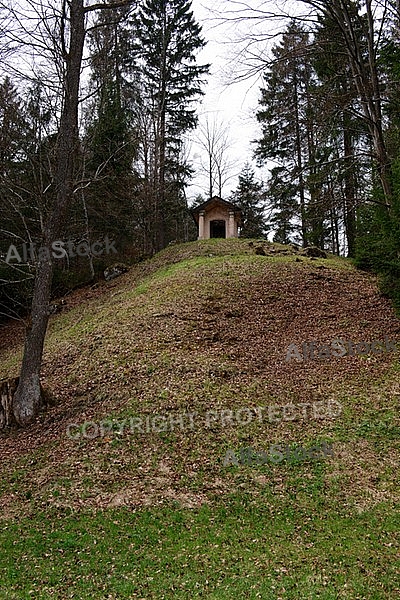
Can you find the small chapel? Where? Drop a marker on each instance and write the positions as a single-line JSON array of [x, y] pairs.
[[217, 218]]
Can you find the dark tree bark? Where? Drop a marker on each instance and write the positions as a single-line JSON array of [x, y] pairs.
[[28, 397], [303, 214], [7, 391], [349, 208], [365, 75]]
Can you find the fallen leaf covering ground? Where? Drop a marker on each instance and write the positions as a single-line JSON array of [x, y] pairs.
[[205, 327], [209, 332]]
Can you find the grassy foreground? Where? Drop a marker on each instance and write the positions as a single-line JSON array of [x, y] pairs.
[[205, 327], [238, 549]]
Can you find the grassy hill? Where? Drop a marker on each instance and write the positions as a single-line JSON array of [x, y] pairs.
[[98, 501]]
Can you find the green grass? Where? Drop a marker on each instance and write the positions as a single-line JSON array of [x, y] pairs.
[[157, 515], [270, 547]]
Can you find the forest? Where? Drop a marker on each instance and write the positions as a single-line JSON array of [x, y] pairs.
[[97, 102], [199, 299]]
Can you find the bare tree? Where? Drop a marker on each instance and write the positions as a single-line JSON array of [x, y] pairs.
[[31, 29], [364, 68], [373, 17], [214, 139]]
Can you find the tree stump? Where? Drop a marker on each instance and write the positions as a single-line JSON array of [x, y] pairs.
[[7, 391]]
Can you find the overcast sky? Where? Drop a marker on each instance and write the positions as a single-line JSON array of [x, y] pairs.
[[234, 104]]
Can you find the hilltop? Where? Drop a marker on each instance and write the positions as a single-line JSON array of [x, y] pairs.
[[202, 327]]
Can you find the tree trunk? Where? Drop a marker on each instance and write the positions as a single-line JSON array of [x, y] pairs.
[[366, 80], [303, 214], [349, 209], [210, 175], [7, 390], [162, 134], [28, 397]]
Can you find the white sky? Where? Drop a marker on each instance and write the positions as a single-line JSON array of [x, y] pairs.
[[235, 104]]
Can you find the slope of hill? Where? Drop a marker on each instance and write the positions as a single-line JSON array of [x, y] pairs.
[[156, 377]]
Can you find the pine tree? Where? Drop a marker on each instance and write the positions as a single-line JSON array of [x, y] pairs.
[[343, 133], [16, 204], [284, 194], [167, 39], [309, 131], [283, 113], [12, 127], [110, 140], [250, 197], [378, 243]]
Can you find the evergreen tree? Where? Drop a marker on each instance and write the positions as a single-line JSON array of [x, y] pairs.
[[309, 130], [13, 200], [283, 113], [344, 135], [250, 197], [110, 140], [378, 243], [167, 39], [284, 195]]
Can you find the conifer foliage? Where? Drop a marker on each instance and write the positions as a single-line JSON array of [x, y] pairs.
[[167, 39], [250, 197]]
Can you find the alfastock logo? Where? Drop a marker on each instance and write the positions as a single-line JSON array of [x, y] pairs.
[[59, 249]]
